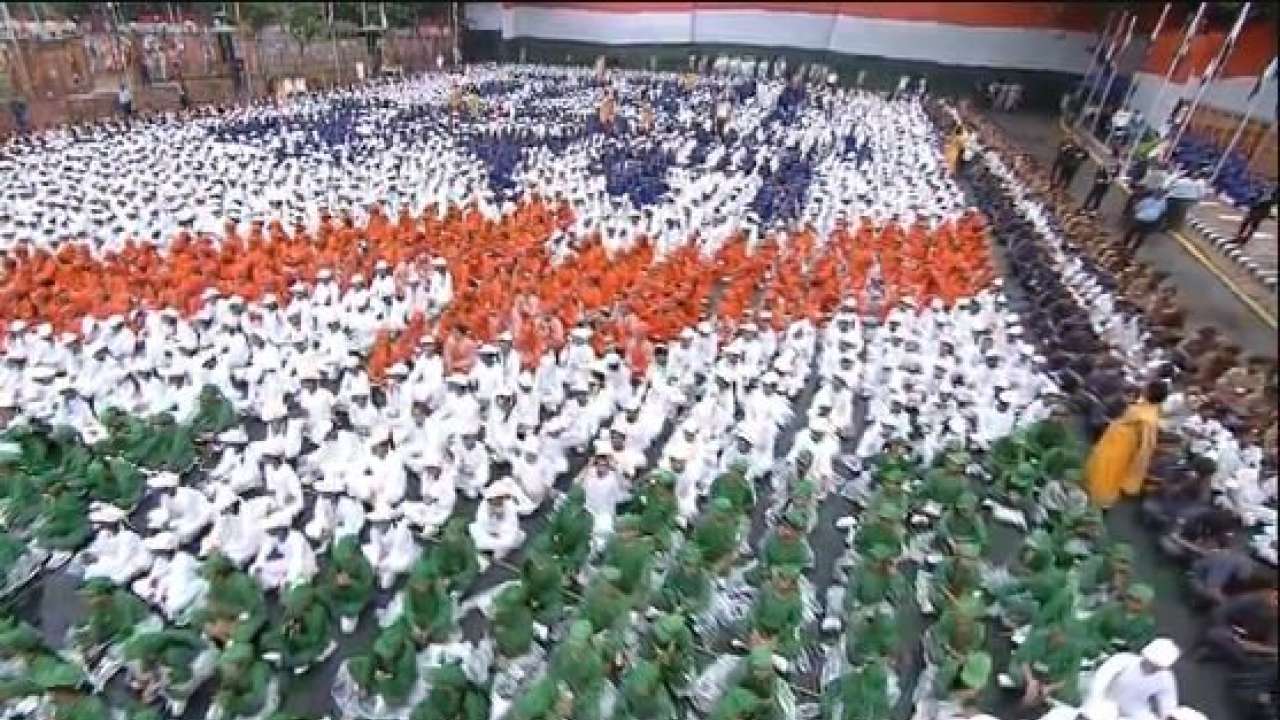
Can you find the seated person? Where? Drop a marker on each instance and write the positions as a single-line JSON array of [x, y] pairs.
[[1243, 630], [1198, 531], [1177, 492], [1219, 574]]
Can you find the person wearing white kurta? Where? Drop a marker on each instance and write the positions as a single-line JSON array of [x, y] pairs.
[[391, 551], [496, 528], [604, 488], [469, 462], [1142, 685]]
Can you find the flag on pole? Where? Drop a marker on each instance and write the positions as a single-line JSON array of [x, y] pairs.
[[1267, 75], [1214, 68], [1192, 28]]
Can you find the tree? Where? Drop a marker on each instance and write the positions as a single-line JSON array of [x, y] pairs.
[[257, 16], [304, 21]]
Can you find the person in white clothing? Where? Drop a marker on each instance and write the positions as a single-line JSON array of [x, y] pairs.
[[1142, 685]]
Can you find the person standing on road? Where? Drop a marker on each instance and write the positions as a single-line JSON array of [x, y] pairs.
[[1101, 184], [1258, 211], [124, 100], [1147, 215]]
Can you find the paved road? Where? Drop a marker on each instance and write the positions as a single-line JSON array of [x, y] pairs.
[[1206, 298]]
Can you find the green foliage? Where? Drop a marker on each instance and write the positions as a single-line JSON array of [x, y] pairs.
[[304, 21]]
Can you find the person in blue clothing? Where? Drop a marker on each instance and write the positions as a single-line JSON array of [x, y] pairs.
[[1147, 214]]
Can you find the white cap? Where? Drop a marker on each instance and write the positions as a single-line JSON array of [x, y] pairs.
[[502, 488], [1161, 652]]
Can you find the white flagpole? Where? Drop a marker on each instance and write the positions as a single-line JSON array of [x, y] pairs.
[[1115, 70], [1109, 44], [1208, 77], [1266, 78], [1178, 55], [1133, 84]]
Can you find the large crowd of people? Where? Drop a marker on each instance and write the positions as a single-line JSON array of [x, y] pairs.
[[546, 380]]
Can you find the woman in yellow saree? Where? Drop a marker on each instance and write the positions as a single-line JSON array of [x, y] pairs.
[[1119, 460], [953, 147]]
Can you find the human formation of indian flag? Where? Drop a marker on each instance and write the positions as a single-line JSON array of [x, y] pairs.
[[307, 400]]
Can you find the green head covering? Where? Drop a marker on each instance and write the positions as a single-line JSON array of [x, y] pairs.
[[690, 554], [580, 631], [967, 501], [611, 574], [760, 660], [668, 626], [795, 519], [665, 478], [1142, 593], [721, 504], [968, 551], [976, 670]]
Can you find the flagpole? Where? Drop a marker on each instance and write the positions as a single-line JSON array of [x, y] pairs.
[[1208, 77], [1106, 60], [1248, 115], [1115, 70], [1187, 36], [1098, 60], [1133, 85]]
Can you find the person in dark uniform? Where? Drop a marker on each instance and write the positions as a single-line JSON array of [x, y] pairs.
[[1258, 211]]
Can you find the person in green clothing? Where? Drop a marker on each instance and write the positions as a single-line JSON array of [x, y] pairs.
[[962, 523], [670, 647], [738, 704], [953, 640], [234, 607], [785, 546], [112, 616], [347, 581], [302, 635], [604, 603], [862, 693], [512, 621], [687, 588], [244, 682], [35, 668], [1126, 624], [760, 678], [114, 481], [1047, 664], [876, 578], [389, 669], [545, 699], [165, 661], [872, 634], [452, 697], [543, 582], [778, 612], [944, 484], [214, 413], [567, 536], [803, 502], [734, 486], [79, 707], [632, 554], [1108, 572], [718, 535], [428, 606], [63, 523], [578, 663], [957, 575], [883, 528], [656, 507], [644, 695], [456, 557]]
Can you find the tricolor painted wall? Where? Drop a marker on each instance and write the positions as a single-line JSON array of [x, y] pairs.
[[1030, 36], [1254, 49]]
